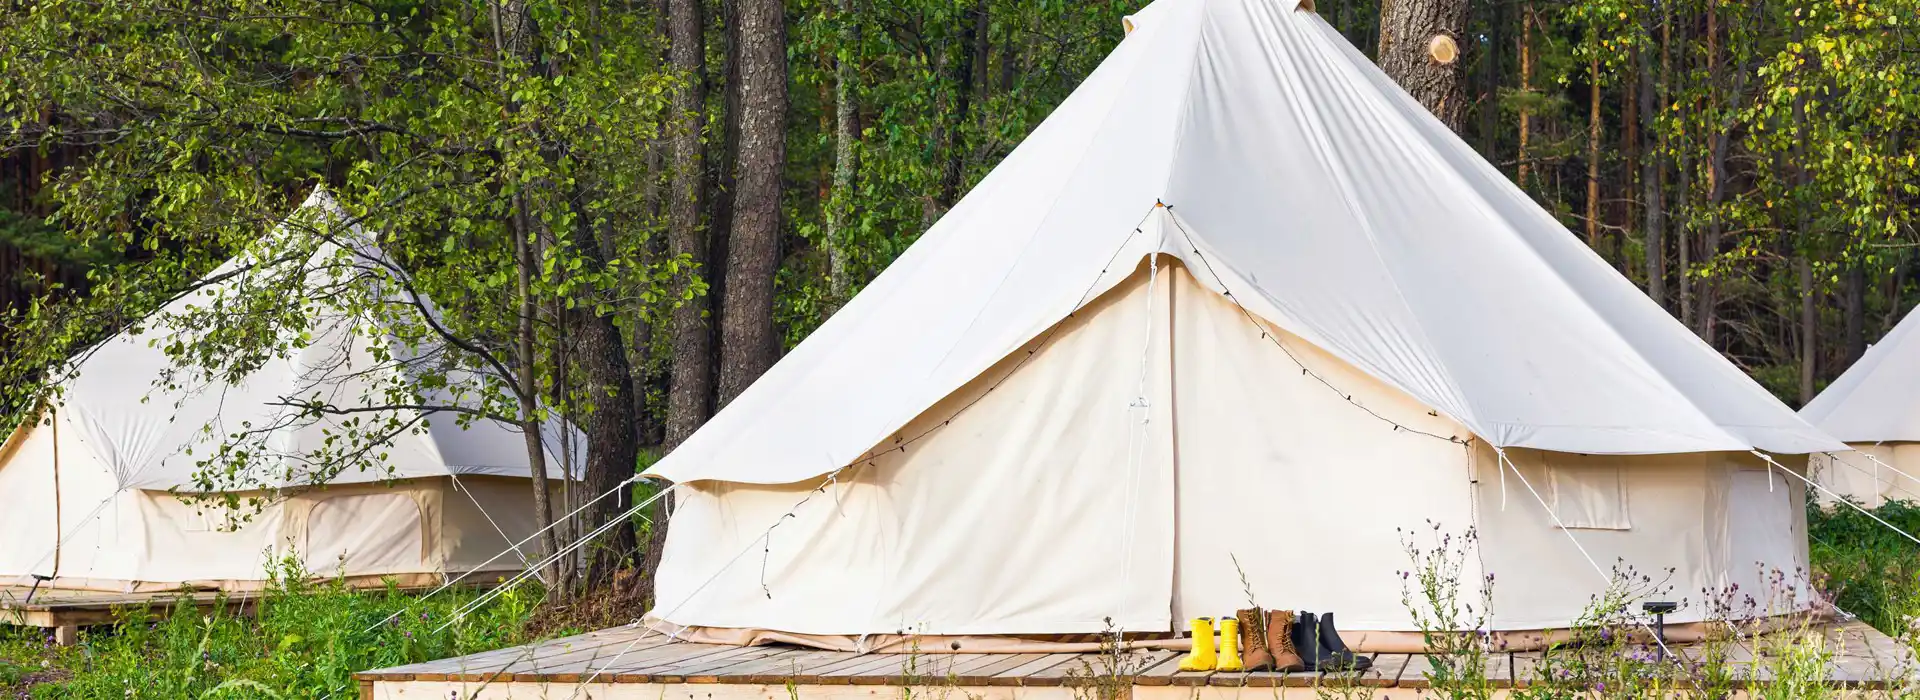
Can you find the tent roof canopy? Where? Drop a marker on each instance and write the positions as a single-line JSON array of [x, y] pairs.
[[155, 425], [1878, 398], [1329, 202]]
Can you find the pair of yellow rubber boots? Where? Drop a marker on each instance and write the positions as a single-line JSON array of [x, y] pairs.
[[1208, 657]]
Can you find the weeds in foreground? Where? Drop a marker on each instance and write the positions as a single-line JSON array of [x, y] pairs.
[[306, 640], [1109, 676], [1611, 652], [1457, 632]]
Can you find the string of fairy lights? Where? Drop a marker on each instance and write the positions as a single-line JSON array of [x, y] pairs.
[[1304, 370]]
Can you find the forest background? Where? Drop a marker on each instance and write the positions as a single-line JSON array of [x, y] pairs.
[[623, 212]]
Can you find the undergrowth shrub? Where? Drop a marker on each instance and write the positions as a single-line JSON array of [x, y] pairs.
[[1868, 569]]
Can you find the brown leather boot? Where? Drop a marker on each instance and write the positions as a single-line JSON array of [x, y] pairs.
[[1279, 627], [1253, 640]]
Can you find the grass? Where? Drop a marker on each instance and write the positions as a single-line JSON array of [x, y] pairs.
[[307, 641], [1869, 570]]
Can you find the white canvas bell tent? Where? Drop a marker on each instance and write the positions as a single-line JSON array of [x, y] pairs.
[[92, 489], [1875, 407], [1239, 305]]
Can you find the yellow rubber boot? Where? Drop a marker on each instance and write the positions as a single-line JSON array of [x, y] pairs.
[[1229, 646], [1203, 656]]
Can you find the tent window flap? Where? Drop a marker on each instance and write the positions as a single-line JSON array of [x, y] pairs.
[[1589, 494]]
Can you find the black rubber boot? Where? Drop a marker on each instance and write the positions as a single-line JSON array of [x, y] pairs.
[[1305, 633], [1341, 658]]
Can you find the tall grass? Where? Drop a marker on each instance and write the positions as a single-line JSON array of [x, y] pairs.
[[1870, 571], [306, 640]]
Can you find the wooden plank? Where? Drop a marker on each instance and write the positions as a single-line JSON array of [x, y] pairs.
[[1414, 675], [1530, 668], [1386, 670], [1019, 675], [913, 669], [986, 674], [667, 669], [561, 661], [816, 673], [783, 668], [1498, 669], [872, 665], [499, 659], [712, 669], [1160, 673], [1080, 666]]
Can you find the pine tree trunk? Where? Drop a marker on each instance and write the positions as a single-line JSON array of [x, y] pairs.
[[691, 386], [722, 158], [748, 342], [613, 437], [1707, 317], [1809, 328], [1526, 86], [846, 130], [1406, 29], [1593, 155], [1651, 178], [1490, 84], [1856, 311], [1630, 175], [966, 77]]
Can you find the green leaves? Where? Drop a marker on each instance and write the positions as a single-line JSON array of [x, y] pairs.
[[207, 125]]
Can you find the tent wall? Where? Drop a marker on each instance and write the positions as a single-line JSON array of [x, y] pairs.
[[29, 515], [1856, 476], [1042, 507], [1301, 473], [1699, 524], [472, 523], [126, 539], [1285, 479]]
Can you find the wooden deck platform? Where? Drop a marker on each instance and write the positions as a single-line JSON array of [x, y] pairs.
[[65, 611], [636, 664]]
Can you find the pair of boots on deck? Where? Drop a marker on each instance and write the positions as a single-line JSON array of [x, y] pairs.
[[1276, 640]]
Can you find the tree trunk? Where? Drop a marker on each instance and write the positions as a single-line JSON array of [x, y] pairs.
[[1630, 143], [1406, 29], [1526, 86], [1809, 327], [846, 129], [1490, 83], [1707, 316], [613, 437], [528, 393], [1682, 198], [513, 36], [966, 77], [691, 386], [1856, 311], [1809, 311], [721, 165], [748, 342], [1651, 178], [1593, 155]]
